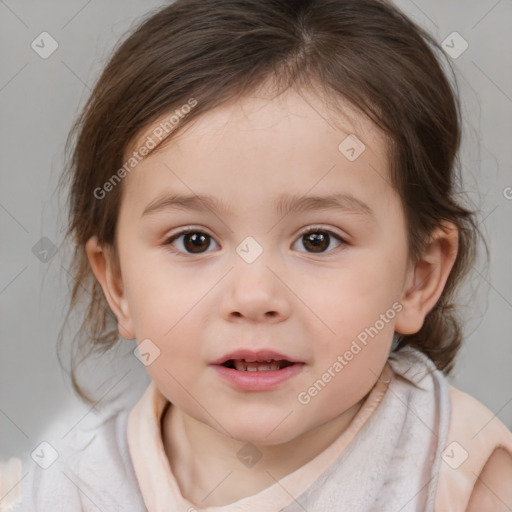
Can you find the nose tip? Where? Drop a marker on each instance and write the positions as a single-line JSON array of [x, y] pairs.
[[253, 292]]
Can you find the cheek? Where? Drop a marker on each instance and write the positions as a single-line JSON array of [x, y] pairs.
[[356, 294], [159, 294], [357, 308], [180, 358]]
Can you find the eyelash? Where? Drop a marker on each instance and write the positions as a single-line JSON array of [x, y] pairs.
[[313, 229]]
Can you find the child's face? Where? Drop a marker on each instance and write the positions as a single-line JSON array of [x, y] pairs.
[[307, 297]]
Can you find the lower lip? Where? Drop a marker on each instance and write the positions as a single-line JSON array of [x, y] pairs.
[[258, 381]]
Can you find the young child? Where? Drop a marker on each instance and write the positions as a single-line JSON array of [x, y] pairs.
[[263, 194]]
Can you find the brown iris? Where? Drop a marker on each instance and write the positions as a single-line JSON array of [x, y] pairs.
[[196, 242], [318, 241]]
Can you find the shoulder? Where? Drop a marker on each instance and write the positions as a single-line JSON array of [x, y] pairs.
[[90, 468], [493, 488], [478, 449], [10, 483]]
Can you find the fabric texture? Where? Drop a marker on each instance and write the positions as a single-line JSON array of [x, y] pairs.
[[92, 473], [409, 408], [475, 432], [392, 457], [160, 489]]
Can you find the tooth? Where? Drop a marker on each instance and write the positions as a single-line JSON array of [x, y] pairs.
[[255, 367], [272, 366], [239, 365]]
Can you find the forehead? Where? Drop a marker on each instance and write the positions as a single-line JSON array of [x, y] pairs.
[[263, 111], [264, 143]]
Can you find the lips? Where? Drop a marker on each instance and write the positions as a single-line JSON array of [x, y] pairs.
[[257, 371]]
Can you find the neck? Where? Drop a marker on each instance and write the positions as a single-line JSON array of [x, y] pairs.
[[202, 458]]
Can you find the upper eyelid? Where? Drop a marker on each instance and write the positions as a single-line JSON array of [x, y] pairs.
[[302, 231], [186, 230], [315, 227]]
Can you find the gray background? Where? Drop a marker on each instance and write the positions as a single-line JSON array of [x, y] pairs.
[[39, 99]]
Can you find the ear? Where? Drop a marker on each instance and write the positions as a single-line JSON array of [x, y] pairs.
[[426, 279], [109, 277]]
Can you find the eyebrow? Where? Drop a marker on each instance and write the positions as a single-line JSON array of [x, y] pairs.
[[286, 204]]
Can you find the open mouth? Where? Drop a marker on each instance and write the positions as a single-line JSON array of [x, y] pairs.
[[256, 366]]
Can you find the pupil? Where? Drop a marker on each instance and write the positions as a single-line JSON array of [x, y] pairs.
[[196, 242], [319, 241]]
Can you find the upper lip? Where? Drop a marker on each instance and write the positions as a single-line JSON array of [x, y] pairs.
[[255, 355]]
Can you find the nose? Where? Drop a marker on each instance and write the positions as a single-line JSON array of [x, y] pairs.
[[254, 293]]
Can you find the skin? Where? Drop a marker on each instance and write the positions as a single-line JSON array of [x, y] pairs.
[[492, 491], [308, 305]]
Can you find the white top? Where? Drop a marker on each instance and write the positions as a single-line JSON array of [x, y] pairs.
[[388, 459]]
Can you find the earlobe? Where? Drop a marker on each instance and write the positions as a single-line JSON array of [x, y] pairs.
[[427, 278], [111, 282]]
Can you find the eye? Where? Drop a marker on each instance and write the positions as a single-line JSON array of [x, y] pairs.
[[318, 240], [190, 241]]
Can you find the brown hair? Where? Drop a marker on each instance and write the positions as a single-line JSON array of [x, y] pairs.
[[365, 51]]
